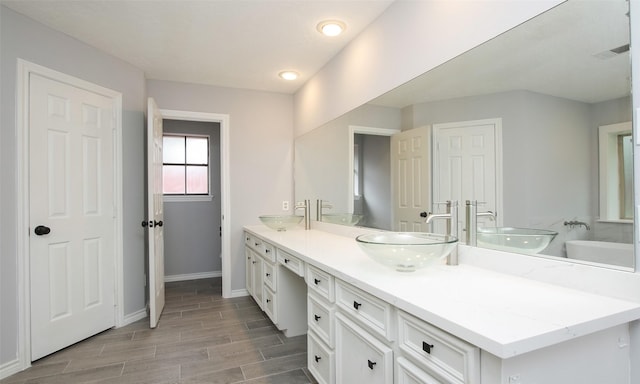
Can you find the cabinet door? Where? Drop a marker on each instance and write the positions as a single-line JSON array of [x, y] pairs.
[[256, 277], [248, 278], [360, 357]]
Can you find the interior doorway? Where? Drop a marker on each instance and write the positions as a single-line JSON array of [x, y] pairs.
[[223, 229]]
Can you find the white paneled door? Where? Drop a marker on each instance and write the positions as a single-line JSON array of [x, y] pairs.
[[72, 214], [410, 172], [155, 212], [467, 165]]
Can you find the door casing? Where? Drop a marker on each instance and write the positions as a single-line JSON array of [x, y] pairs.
[[24, 71], [225, 186]]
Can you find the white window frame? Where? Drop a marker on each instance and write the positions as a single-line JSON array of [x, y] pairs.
[[176, 198]]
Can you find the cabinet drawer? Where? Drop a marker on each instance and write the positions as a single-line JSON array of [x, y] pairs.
[[440, 353], [248, 240], [360, 357], [320, 319], [269, 252], [270, 275], [408, 373], [270, 301], [321, 283], [368, 309], [291, 262], [320, 360]]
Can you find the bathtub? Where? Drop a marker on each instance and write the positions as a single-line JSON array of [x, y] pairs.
[[601, 252]]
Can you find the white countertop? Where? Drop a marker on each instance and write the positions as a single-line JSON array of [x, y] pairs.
[[503, 314]]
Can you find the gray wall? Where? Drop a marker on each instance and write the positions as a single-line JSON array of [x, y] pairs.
[[376, 188], [549, 154], [192, 241], [261, 151], [21, 37]]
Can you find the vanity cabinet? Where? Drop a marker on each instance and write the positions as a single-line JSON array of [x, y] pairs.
[[275, 280], [358, 331]]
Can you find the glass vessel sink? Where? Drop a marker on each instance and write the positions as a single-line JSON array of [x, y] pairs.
[[281, 222], [342, 218], [519, 240], [406, 251]]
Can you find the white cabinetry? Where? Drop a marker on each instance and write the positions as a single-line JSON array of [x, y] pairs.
[[355, 336], [437, 352], [270, 280], [360, 357]]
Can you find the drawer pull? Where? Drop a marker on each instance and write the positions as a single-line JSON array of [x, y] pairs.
[[356, 305], [426, 347], [256, 244], [267, 274], [317, 317], [268, 300], [286, 261], [253, 262], [248, 238], [267, 250], [248, 257], [316, 281], [370, 364], [317, 358]]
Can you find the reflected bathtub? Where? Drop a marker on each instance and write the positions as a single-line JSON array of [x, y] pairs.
[[601, 252]]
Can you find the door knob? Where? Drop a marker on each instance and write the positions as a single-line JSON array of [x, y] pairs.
[[42, 230]]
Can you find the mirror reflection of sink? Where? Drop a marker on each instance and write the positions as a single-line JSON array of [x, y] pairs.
[[342, 218], [520, 240], [406, 251], [281, 222]]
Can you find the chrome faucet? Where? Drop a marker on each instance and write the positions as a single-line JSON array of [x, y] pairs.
[[320, 204], [451, 216], [306, 205], [471, 221]]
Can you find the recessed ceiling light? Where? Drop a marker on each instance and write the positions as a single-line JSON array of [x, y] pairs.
[[331, 27], [288, 75]]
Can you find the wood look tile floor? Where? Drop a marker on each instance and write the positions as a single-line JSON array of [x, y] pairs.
[[201, 338]]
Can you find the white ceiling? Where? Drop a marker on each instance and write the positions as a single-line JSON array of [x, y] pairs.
[[230, 43]]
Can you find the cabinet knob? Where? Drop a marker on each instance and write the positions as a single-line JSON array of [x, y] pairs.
[[317, 358], [254, 262], [267, 251], [268, 300], [267, 274], [370, 364], [286, 261], [316, 281], [356, 305], [317, 317], [426, 347]]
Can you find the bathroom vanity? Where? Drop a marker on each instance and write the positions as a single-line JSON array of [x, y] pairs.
[[470, 323]]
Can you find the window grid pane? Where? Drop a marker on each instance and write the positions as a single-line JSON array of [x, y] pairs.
[[173, 149], [198, 150], [173, 179], [197, 180]]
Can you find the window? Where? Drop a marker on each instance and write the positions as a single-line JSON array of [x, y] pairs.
[[616, 172], [185, 165]]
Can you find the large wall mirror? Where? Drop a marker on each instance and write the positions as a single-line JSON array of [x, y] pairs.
[[543, 93]]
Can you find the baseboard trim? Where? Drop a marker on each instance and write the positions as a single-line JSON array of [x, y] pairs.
[[133, 317], [10, 368], [239, 293], [192, 276]]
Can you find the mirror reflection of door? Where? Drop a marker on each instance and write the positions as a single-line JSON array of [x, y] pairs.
[[410, 159], [468, 166]]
